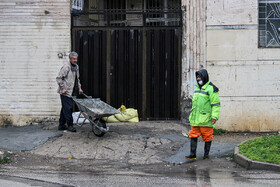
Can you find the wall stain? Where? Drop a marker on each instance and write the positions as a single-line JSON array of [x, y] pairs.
[[262, 124], [23, 120], [6, 120]]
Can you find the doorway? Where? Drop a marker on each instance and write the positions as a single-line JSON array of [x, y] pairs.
[[130, 54]]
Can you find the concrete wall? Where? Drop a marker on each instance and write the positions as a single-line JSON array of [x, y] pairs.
[[193, 50], [248, 76], [32, 33]]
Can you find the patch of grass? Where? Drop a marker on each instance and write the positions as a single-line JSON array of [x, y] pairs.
[[5, 158], [265, 149], [219, 131]]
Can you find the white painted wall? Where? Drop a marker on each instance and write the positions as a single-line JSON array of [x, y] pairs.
[[232, 12], [32, 33], [248, 76]]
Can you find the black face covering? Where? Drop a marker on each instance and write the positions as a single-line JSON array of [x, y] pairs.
[[74, 67], [204, 76]]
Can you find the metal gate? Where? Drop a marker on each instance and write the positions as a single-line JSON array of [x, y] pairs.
[[137, 66]]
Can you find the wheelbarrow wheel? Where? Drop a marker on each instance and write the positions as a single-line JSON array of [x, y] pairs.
[[99, 123]]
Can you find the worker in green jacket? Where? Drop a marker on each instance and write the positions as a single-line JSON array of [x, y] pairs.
[[204, 113]]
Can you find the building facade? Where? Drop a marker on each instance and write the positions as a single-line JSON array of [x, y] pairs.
[[236, 41], [32, 34], [241, 52]]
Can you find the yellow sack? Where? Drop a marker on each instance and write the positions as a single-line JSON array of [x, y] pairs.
[[111, 119], [131, 112], [136, 119], [122, 109], [126, 115], [120, 117]]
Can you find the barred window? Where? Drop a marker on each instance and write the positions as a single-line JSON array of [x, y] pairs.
[[124, 13], [269, 23]]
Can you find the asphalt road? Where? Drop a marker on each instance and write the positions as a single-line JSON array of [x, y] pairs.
[[130, 154]]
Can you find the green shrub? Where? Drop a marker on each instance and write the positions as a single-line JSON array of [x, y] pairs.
[[265, 149], [5, 158], [219, 131]]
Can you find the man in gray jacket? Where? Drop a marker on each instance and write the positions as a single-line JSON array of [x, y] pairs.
[[67, 80]]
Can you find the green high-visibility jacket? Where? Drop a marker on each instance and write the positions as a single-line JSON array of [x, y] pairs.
[[205, 105]]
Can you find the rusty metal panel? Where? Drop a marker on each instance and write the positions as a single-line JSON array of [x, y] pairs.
[[142, 60], [32, 33], [126, 68], [91, 46], [128, 81], [162, 73]]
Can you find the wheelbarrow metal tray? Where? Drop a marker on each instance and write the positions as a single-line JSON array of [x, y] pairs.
[[95, 107]]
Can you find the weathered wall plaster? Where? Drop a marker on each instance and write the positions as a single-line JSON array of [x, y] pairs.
[[248, 76], [193, 50], [32, 33]]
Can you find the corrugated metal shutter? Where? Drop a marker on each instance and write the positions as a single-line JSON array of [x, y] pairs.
[[32, 33]]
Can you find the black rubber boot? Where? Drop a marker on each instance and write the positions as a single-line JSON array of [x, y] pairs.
[[207, 150], [62, 127], [72, 129], [192, 156]]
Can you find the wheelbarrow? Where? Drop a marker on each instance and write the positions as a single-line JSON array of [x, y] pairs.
[[93, 110]]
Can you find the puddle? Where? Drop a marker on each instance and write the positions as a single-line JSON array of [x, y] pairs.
[[218, 149]]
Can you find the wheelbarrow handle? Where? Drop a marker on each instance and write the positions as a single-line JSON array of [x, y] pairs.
[[85, 95]]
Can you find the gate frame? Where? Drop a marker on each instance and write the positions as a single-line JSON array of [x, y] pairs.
[[144, 28]]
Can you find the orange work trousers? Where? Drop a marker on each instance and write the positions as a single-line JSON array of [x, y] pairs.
[[206, 132]]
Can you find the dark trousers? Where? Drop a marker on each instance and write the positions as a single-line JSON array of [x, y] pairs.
[[66, 111]]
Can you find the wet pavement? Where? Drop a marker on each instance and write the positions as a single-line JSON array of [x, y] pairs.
[[130, 154], [25, 138], [218, 149], [196, 177]]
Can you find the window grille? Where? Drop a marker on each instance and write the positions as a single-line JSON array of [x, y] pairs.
[[125, 13], [77, 5], [269, 23]]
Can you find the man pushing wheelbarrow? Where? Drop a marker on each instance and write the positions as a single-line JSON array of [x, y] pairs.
[[68, 82], [92, 109]]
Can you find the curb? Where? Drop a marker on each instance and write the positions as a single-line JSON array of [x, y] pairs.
[[251, 164]]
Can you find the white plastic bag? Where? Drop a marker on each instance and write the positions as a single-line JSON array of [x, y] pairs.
[[75, 116]]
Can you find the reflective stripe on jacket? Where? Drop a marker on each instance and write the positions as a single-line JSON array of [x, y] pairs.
[[205, 106]]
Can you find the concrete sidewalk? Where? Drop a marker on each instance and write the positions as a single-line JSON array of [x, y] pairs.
[[145, 142], [139, 143]]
